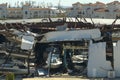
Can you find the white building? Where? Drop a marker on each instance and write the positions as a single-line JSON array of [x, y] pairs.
[[26, 12], [14, 13], [35, 12], [75, 11], [54, 12], [114, 8], [3, 11], [96, 10], [91, 10], [101, 13], [86, 10]]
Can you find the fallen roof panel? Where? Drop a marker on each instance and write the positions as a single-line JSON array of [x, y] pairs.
[[74, 35]]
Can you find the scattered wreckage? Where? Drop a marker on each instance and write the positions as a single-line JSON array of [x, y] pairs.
[[72, 47], [60, 48]]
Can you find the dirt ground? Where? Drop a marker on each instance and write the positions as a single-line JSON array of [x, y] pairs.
[[71, 79], [54, 79]]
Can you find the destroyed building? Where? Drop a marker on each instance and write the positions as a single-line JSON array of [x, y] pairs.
[[77, 48]]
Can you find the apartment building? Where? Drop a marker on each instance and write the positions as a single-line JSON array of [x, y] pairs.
[[75, 11], [26, 12], [3, 10], [35, 12], [96, 10], [114, 9], [91, 10], [14, 13]]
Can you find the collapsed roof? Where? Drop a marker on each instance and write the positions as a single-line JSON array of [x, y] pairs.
[[74, 35]]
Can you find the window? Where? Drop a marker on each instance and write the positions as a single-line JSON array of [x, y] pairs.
[[45, 12], [26, 12], [36, 14], [79, 12], [52, 12], [71, 8], [30, 13], [88, 8], [83, 13]]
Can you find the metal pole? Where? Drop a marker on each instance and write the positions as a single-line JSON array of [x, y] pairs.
[[28, 62], [49, 61]]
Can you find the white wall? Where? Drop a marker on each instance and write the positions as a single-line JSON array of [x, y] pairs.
[[53, 12], [77, 6], [97, 64], [112, 7], [26, 10], [0, 14], [3, 11], [99, 6], [14, 13], [38, 13], [101, 14], [88, 11], [117, 59], [75, 10]]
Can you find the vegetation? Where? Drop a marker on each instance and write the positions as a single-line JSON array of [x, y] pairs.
[[10, 76]]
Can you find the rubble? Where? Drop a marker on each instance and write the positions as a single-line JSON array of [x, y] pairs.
[[66, 51]]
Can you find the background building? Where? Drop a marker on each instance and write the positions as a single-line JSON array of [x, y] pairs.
[[91, 10], [14, 13], [3, 11], [96, 10], [26, 12]]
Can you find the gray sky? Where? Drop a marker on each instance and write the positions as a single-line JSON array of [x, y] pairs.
[[55, 2]]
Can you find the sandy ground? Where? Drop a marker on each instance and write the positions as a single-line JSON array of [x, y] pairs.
[[54, 79], [70, 79]]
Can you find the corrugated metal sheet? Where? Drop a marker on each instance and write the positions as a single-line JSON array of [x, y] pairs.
[[95, 20], [74, 35], [98, 20]]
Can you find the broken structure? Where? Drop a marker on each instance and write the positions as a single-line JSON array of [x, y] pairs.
[[81, 49]]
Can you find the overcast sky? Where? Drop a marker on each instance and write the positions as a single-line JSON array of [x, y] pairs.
[[55, 2]]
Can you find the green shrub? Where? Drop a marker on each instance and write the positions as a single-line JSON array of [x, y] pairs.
[[10, 76]]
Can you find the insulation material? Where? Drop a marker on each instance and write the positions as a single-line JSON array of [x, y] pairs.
[[27, 42], [117, 58], [97, 64], [71, 35]]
